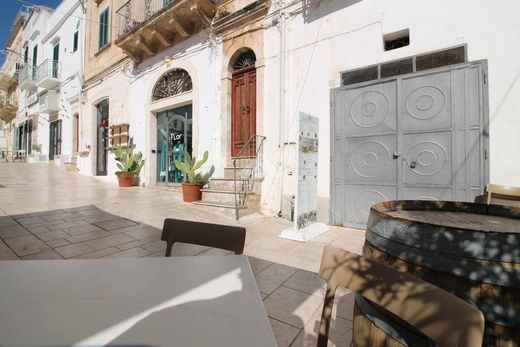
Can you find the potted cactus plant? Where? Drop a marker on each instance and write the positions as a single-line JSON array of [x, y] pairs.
[[193, 180], [129, 165]]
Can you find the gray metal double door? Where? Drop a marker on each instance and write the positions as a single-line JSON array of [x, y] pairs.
[[417, 136]]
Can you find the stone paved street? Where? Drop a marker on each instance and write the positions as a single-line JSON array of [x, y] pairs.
[[49, 213]]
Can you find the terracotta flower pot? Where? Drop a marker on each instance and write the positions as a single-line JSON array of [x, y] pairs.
[[126, 179], [191, 192]]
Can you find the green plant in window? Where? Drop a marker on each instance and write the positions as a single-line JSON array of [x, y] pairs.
[[190, 166]]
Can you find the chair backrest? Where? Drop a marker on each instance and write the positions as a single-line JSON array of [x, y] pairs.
[[502, 195], [439, 315], [227, 237]]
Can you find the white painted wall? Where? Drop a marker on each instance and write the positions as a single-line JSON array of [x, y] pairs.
[[202, 59], [33, 34], [67, 18], [331, 36]]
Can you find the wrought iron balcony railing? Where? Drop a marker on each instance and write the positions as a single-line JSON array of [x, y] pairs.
[[48, 69], [26, 73], [136, 12]]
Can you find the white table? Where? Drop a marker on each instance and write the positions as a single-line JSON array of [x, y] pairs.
[[179, 301]]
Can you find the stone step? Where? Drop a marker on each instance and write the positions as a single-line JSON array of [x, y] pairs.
[[225, 196], [229, 184], [224, 209], [229, 172]]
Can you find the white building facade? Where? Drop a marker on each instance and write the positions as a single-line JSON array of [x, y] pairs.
[[51, 82], [412, 103]]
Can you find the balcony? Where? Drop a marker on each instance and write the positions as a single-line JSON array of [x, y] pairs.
[[49, 102], [27, 78], [48, 74], [7, 112], [146, 27]]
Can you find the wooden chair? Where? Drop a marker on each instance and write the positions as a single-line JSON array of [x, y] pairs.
[[205, 234], [502, 195], [426, 309]]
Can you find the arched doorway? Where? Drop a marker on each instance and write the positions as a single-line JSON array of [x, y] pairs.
[[174, 125], [243, 102], [101, 137]]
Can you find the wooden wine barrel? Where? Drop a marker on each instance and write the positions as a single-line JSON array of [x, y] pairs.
[[471, 250]]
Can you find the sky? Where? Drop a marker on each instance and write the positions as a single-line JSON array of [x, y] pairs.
[[8, 12]]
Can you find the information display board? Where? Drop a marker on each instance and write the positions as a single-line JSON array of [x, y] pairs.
[[306, 197]]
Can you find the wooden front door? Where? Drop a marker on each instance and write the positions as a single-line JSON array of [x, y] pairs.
[[243, 118]]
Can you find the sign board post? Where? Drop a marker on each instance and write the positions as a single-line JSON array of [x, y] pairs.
[[306, 225]]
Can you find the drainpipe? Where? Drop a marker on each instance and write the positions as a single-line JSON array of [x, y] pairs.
[[281, 142]]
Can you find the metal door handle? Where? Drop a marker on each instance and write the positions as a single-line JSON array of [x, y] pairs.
[[413, 164], [396, 155], [153, 151], [248, 109]]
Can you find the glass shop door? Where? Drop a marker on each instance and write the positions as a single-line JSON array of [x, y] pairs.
[[174, 139]]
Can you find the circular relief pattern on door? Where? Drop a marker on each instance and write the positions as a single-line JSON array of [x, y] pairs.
[[430, 158], [370, 158], [369, 109], [425, 102], [363, 201]]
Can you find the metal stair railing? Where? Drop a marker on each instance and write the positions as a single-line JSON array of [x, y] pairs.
[[253, 150]]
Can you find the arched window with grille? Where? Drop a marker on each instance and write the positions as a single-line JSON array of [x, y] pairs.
[[174, 82]]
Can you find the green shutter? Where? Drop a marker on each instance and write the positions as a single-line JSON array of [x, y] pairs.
[[103, 28], [75, 42]]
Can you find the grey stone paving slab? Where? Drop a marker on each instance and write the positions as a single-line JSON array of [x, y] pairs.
[[7, 220], [284, 333], [108, 241], [91, 235], [142, 232], [12, 231], [98, 254], [81, 229], [57, 243], [26, 245], [291, 306], [27, 221], [73, 250], [115, 224], [155, 246], [128, 245], [46, 255], [58, 216], [38, 229], [307, 282], [100, 218], [273, 277], [258, 265], [6, 253], [136, 252], [80, 208], [52, 235]]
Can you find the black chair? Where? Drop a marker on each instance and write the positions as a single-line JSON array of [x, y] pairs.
[[226, 237]]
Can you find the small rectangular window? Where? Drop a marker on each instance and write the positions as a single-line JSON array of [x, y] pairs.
[[75, 42], [103, 28], [443, 58], [397, 39], [357, 76], [396, 68]]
